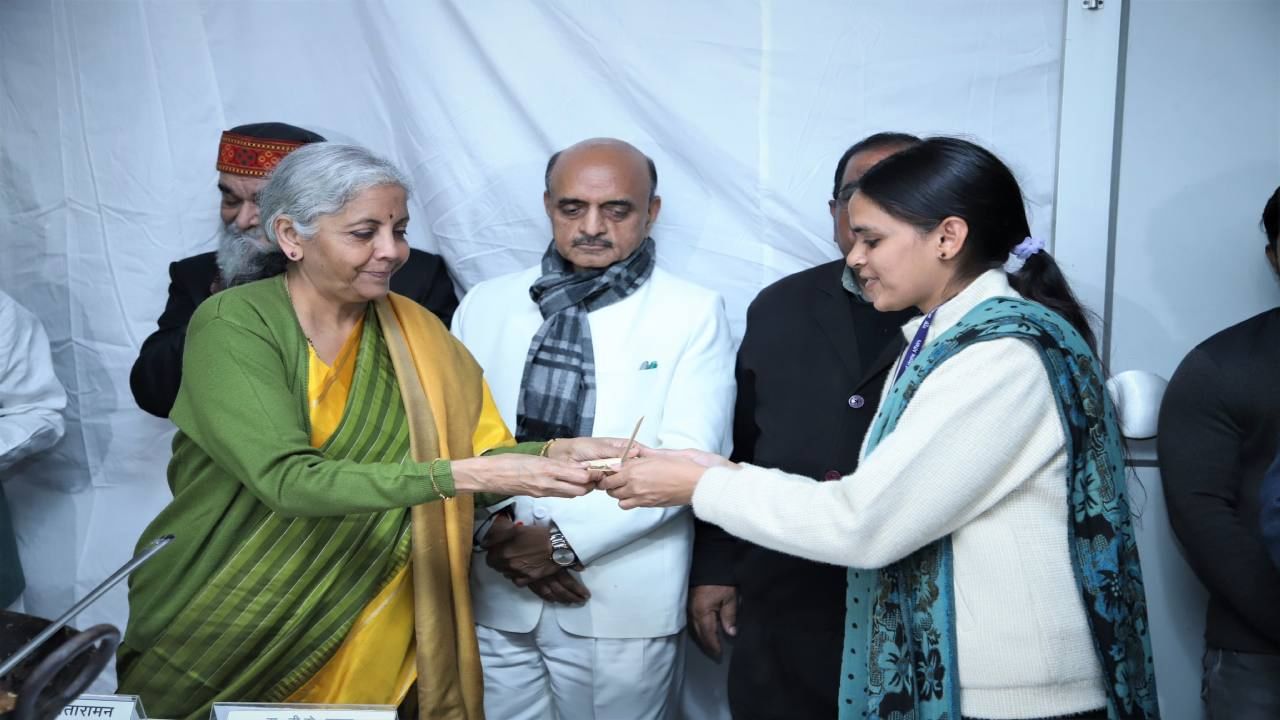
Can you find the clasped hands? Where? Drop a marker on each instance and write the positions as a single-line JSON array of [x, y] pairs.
[[522, 553]]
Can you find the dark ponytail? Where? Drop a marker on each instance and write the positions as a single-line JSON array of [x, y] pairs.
[[943, 177], [1041, 280]]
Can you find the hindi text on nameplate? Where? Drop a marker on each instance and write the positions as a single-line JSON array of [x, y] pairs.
[[109, 707]]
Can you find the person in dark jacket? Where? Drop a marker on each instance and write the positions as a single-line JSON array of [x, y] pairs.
[[1219, 434], [809, 371], [246, 155]]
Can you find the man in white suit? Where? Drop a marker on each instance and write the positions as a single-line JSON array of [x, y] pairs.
[[580, 604]]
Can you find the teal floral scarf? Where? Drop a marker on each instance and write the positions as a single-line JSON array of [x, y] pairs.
[[900, 655]]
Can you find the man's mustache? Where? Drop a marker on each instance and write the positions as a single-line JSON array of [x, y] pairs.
[[595, 240]]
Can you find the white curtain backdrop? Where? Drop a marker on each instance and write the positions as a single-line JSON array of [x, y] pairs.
[[110, 113]]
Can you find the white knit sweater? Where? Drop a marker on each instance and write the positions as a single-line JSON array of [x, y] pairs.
[[979, 454]]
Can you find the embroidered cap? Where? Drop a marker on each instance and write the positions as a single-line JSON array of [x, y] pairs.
[[255, 150]]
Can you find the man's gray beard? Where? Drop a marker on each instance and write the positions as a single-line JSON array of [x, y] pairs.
[[242, 257]]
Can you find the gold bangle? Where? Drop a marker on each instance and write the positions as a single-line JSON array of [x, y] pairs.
[[431, 475], [546, 449]]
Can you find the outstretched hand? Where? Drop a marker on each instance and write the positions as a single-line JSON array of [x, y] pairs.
[[660, 478], [516, 474]]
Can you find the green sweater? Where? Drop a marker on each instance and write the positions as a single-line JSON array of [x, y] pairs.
[[243, 449]]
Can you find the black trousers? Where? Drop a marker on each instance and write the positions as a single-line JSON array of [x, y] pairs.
[[1241, 686]]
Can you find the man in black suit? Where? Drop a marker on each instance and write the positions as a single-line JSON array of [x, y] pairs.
[[810, 371], [246, 155]]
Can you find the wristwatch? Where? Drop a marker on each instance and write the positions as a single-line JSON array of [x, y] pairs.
[[561, 553]]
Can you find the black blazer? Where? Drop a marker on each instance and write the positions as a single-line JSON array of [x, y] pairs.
[[157, 372], [810, 370]]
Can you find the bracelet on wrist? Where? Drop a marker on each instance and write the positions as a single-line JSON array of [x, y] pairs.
[[441, 478]]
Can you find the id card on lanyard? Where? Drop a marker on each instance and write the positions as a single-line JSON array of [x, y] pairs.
[[917, 343]]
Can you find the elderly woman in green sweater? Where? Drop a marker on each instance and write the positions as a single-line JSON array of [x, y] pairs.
[[330, 437]]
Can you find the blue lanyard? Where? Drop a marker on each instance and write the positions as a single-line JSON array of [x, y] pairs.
[[917, 343]]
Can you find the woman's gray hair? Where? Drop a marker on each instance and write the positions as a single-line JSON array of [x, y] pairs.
[[320, 179]]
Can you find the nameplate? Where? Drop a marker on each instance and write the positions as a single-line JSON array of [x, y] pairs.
[[114, 707], [266, 711]]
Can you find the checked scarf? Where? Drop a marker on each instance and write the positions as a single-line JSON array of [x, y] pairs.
[[558, 390]]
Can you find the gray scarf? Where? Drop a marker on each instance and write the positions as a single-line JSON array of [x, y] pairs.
[[558, 390]]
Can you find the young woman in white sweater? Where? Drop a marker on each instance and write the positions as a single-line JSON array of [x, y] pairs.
[[993, 571]]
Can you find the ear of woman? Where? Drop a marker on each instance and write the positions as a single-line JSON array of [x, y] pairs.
[[288, 237], [952, 234]]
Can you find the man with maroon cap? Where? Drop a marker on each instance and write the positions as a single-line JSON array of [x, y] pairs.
[[246, 156]]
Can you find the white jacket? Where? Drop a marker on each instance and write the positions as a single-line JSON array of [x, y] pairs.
[[637, 561]]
